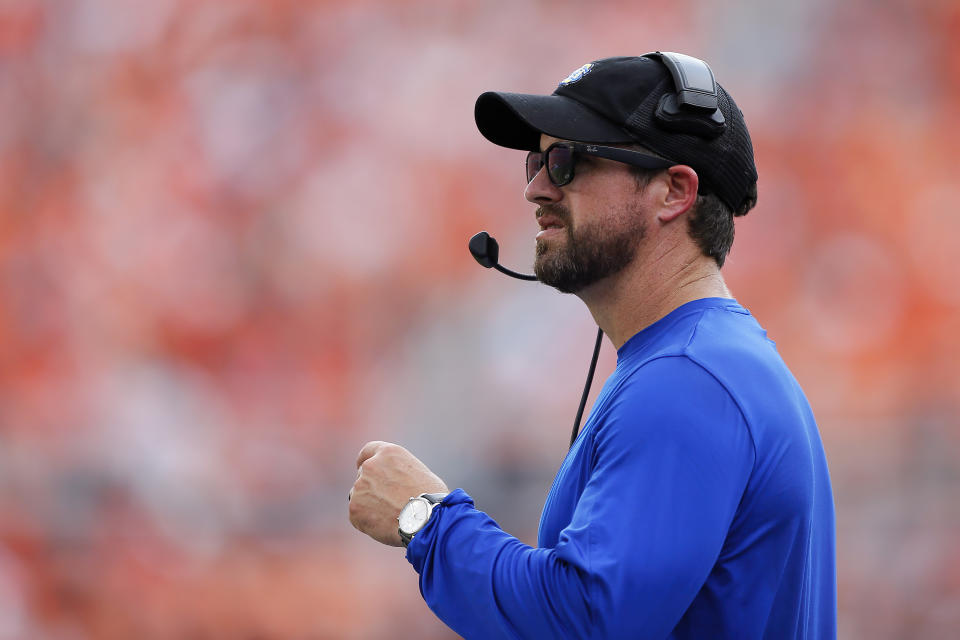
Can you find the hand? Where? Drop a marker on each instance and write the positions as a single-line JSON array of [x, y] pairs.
[[387, 477]]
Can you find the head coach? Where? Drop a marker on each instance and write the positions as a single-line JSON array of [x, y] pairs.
[[696, 501]]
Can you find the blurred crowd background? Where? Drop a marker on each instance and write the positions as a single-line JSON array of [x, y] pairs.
[[233, 249]]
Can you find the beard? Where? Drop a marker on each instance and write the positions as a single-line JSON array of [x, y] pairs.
[[589, 254]]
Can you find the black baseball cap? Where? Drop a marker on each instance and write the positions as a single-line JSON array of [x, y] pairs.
[[621, 101]]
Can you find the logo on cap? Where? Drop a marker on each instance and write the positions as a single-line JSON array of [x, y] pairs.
[[576, 75]]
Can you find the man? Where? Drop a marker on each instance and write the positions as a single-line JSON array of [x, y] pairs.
[[696, 502]]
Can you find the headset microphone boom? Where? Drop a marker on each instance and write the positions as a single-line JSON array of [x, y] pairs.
[[486, 251]]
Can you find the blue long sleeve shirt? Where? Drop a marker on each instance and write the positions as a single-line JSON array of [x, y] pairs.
[[695, 503]]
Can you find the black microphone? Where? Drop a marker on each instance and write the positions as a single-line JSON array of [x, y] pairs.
[[486, 251]]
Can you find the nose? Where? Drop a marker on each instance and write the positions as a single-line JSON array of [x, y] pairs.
[[541, 191]]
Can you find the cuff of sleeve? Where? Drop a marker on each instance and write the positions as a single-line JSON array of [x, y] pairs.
[[423, 541]]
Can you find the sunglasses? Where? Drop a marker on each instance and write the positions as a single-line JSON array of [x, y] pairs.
[[561, 157]]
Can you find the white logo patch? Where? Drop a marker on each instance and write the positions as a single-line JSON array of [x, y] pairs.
[[576, 75]]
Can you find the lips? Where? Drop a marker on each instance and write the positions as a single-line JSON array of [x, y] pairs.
[[549, 222], [549, 225]]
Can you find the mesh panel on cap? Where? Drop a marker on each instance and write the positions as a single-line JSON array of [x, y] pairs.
[[724, 164]]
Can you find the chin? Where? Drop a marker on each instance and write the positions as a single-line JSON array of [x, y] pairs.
[[544, 244]]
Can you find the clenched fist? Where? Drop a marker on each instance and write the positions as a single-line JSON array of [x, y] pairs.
[[387, 477]]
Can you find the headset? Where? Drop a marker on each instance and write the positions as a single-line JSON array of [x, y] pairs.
[[486, 251], [693, 108]]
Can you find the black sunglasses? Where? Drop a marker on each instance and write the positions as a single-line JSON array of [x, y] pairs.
[[561, 157]]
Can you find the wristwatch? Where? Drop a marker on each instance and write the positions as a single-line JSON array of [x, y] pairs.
[[416, 513]]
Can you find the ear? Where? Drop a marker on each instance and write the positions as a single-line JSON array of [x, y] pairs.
[[681, 193]]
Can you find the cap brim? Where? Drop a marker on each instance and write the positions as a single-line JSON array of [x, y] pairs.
[[516, 120]]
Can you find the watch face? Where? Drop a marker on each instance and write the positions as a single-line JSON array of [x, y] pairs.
[[414, 515]]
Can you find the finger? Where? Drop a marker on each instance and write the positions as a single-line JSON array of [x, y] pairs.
[[369, 450]]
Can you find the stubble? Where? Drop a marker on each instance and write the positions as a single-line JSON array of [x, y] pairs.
[[590, 253]]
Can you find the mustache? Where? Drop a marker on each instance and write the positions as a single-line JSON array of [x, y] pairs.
[[555, 210]]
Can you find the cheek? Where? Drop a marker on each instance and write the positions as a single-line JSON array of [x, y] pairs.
[[600, 191], [598, 210]]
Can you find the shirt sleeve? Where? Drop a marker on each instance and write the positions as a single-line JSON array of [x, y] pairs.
[[669, 463]]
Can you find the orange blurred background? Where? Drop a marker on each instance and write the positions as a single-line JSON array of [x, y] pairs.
[[233, 249]]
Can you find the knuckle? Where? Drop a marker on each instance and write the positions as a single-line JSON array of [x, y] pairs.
[[392, 450]]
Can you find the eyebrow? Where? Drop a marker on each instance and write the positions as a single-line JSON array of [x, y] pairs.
[[544, 148]]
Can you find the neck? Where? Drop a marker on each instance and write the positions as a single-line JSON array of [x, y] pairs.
[[647, 290]]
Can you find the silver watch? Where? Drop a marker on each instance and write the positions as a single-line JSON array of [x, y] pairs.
[[416, 513]]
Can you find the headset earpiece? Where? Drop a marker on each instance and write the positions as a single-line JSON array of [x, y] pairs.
[[695, 107]]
